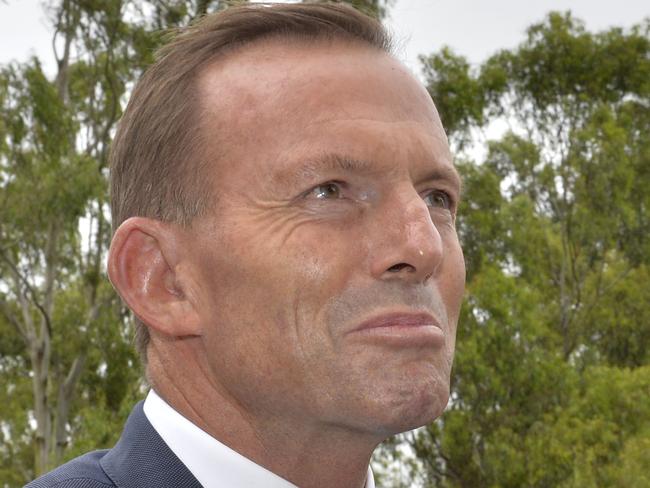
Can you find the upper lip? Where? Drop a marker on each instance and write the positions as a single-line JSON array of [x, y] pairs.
[[401, 319]]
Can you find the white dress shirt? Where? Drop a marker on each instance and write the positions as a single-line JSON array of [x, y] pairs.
[[212, 463]]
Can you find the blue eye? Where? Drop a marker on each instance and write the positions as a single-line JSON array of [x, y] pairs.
[[438, 199], [327, 191]]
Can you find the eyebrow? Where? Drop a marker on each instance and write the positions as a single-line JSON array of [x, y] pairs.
[[447, 173], [326, 162], [338, 162]]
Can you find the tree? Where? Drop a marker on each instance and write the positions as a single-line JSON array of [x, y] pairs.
[[552, 358]]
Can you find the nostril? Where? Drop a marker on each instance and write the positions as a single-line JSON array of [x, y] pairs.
[[399, 267]]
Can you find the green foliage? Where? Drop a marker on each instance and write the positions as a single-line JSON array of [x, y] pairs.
[[551, 380], [457, 93]]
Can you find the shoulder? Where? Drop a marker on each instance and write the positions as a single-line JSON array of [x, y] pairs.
[[82, 472]]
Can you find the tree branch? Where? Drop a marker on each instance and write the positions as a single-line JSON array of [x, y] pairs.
[[66, 391], [63, 62], [20, 278]]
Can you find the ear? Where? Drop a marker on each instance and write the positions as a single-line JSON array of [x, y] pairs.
[[143, 265]]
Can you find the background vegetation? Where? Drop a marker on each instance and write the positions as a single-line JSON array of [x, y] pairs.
[[552, 375]]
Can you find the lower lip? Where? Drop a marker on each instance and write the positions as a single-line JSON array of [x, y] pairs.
[[405, 335]]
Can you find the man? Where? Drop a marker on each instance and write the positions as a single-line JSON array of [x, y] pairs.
[[284, 204]]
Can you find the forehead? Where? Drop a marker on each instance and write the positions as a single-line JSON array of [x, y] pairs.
[[278, 97], [285, 73]]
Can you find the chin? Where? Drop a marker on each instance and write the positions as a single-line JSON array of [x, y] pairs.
[[424, 409], [410, 409]]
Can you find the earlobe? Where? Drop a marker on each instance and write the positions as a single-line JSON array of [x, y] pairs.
[[144, 263]]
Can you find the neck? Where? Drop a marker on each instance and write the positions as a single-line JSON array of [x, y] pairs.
[[308, 454]]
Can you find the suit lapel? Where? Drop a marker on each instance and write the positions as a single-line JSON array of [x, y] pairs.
[[141, 459]]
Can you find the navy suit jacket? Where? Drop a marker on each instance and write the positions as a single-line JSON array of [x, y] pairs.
[[140, 459]]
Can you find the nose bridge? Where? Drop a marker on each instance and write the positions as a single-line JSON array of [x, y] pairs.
[[420, 233], [410, 242]]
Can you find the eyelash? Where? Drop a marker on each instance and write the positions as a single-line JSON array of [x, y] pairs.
[[449, 205], [337, 184], [449, 200]]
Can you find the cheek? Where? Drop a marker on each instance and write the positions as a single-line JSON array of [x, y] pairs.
[[455, 288], [452, 277], [266, 298], [319, 259], [451, 285], [285, 278], [322, 271]]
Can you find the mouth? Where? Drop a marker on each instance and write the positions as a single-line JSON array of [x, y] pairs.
[[402, 329]]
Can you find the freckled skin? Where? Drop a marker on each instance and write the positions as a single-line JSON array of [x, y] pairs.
[[281, 276]]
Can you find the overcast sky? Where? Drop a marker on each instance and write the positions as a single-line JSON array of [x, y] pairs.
[[473, 28]]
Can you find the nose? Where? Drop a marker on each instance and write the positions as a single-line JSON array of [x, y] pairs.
[[407, 245]]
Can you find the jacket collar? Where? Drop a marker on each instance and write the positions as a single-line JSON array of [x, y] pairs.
[[141, 459]]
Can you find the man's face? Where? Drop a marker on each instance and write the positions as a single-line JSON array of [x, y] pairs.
[[336, 200]]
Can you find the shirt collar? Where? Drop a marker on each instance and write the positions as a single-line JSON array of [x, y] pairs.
[[212, 463]]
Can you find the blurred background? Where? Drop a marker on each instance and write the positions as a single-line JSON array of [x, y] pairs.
[[547, 107]]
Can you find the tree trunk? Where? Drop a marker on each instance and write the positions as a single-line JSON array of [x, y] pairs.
[[42, 417], [66, 392]]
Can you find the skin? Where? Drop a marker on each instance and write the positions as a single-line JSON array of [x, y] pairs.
[[336, 200]]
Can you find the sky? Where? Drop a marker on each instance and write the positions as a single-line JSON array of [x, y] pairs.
[[478, 28], [472, 28]]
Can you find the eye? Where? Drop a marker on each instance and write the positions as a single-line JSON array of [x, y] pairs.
[[438, 199], [327, 191]]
